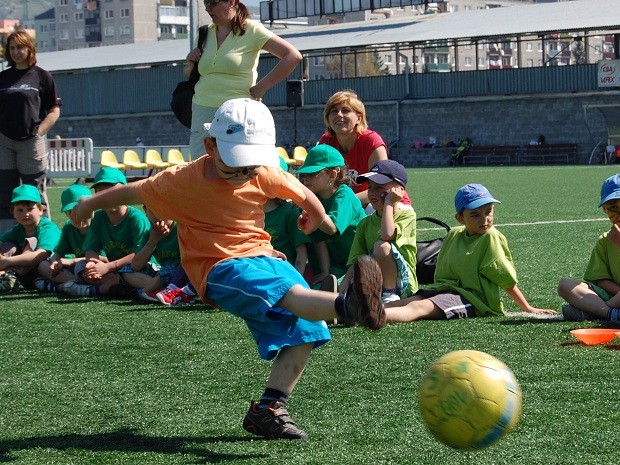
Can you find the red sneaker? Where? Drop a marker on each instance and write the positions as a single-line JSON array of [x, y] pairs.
[[174, 296]]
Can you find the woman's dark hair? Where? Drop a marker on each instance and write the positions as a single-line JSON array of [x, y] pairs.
[[242, 15], [343, 176]]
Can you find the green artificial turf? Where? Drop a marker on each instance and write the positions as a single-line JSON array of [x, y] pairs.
[[109, 382]]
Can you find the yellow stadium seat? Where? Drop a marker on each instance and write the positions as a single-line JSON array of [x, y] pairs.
[[109, 159], [175, 157], [131, 160], [299, 155], [282, 152], [153, 160]]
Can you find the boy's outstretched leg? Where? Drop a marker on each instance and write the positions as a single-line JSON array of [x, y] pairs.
[[269, 417]]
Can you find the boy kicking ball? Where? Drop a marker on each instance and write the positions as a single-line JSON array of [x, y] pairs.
[[217, 202]]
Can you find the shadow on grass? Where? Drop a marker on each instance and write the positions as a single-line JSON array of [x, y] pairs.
[[128, 440]]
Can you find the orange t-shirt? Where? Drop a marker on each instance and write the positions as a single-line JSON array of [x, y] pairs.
[[216, 220]]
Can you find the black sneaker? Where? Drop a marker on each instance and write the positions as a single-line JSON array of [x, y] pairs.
[[273, 422], [362, 304]]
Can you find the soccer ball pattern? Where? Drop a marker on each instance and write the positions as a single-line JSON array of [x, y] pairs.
[[469, 399]]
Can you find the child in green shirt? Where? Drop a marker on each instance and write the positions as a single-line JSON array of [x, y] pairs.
[[28, 243], [117, 231], [597, 297], [324, 173], [473, 267], [162, 244], [60, 267], [389, 234]]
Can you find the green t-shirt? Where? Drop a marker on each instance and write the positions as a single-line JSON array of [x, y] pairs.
[[369, 232], [281, 224], [346, 211], [47, 234], [477, 267], [167, 250], [71, 241], [120, 240], [604, 261]]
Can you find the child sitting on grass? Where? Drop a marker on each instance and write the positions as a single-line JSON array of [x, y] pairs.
[[281, 224], [324, 173], [473, 267], [162, 244], [217, 202], [26, 244], [117, 230], [597, 297], [60, 267], [388, 234]]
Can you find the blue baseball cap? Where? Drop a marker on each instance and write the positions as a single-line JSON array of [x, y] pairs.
[[472, 196], [610, 189], [384, 172]]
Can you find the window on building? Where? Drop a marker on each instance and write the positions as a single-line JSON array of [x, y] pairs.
[[124, 12], [597, 49], [529, 63], [181, 29], [78, 16], [468, 61], [78, 33], [63, 2], [481, 62], [529, 47], [63, 34], [78, 3], [125, 30], [387, 59], [43, 28], [402, 60], [539, 46], [63, 18], [108, 14], [319, 61], [108, 32], [165, 29]]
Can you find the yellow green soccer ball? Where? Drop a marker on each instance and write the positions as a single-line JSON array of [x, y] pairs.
[[469, 399]]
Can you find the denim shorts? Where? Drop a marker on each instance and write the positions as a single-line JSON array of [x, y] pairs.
[[251, 288]]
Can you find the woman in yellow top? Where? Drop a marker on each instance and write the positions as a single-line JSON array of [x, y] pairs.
[[228, 64]]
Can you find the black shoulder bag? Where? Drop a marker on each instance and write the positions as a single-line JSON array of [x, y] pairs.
[[426, 258], [181, 103]]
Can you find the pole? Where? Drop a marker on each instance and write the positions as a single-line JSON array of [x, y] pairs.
[[295, 127]]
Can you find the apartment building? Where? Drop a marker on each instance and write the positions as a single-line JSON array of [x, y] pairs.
[[74, 24]]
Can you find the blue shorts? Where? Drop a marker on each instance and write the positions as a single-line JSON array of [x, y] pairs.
[[250, 288]]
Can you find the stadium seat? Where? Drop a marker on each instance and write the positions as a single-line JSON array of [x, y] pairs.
[[131, 160], [175, 157], [154, 161], [282, 152], [299, 155], [109, 159]]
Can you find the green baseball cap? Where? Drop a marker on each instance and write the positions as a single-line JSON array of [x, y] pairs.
[[25, 193], [107, 175], [320, 157], [70, 196]]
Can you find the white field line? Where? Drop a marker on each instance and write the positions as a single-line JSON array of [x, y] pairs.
[[586, 220]]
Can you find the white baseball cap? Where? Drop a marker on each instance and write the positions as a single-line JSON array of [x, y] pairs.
[[245, 133]]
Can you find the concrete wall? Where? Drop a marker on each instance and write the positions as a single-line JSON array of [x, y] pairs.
[[505, 120]]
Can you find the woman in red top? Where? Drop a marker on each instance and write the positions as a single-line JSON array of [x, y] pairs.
[[347, 130]]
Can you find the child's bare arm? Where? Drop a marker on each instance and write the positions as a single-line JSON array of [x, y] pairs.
[[301, 258], [26, 258], [313, 215], [159, 230], [117, 195], [390, 202], [518, 297], [322, 253]]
